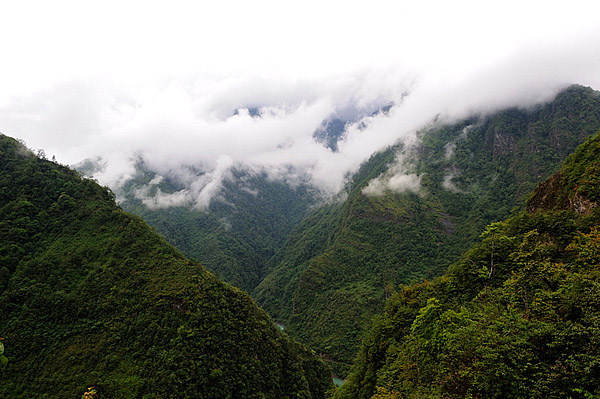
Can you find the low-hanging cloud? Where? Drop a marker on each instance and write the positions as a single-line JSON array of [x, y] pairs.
[[449, 184], [201, 188], [198, 128]]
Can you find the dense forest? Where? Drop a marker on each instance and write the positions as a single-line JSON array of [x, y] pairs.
[[92, 296], [516, 316], [238, 235], [341, 263], [325, 269]]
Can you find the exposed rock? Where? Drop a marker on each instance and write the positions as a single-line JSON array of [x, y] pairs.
[[581, 205]]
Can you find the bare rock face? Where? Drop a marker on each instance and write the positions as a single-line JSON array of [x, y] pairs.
[[504, 143], [552, 194], [544, 197], [581, 204]]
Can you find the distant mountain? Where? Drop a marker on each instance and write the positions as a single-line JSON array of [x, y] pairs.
[[332, 130], [239, 233], [516, 316], [91, 296], [243, 227], [341, 263], [324, 270]]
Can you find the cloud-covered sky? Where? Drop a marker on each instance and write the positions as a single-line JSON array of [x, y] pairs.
[[169, 81]]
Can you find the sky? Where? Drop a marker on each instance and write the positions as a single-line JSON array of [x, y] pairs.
[[168, 82]]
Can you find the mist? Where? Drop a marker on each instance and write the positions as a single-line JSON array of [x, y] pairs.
[[198, 124]]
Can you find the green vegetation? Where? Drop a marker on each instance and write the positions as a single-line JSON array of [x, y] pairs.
[[325, 271], [338, 267], [517, 316], [3, 359], [238, 235], [309, 238], [91, 296]]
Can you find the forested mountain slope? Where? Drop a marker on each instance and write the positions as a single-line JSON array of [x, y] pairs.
[[248, 218], [324, 271], [344, 260], [239, 232], [90, 295], [516, 316]]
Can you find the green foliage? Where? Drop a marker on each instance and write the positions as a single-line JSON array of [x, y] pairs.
[[383, 393], [3, 359], [590, 182], [311, 237], [239, 233], [576, 185], [325, 271], [530, 329], [335, 272], [91, 295]]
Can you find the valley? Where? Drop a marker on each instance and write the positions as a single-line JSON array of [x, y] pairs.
[[92, 296], [300, 200], [324, 269], [404, 239]]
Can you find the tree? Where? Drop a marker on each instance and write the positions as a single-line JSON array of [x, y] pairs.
[[3, 359], [91, 393]]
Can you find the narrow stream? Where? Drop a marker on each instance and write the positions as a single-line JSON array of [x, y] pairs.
[[338, 381]]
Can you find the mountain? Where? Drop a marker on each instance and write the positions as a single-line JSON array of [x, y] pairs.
[[238, 233], [333, 129], [240, 230], [516, 316], [92, 296], [323, 270], [341, 263]]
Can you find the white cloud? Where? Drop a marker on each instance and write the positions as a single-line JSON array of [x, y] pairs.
[[450, 147], [161, 83], [398, 183], [449, 185], [202, 188]]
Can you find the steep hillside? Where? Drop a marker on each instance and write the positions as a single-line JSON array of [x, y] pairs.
[[331, 280], [239, 232], [90, 295], [516, 316]]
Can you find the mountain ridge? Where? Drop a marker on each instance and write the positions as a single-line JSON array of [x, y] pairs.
[[90, 295], [323, 270], [516, 316], [380, 243]]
